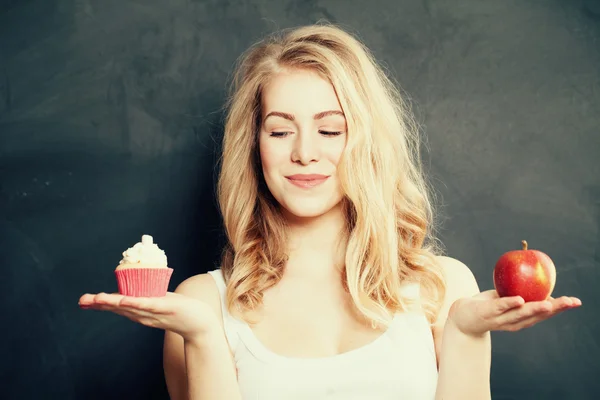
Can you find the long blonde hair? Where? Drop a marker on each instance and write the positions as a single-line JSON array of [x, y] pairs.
[[390, 222]]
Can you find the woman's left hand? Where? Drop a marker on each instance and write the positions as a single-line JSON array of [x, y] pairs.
[[486, 311]]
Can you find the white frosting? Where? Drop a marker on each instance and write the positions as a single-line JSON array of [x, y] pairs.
[[145, 252]]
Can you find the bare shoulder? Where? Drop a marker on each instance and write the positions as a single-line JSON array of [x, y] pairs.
[[204, 288], [460, 282], [198, 285]]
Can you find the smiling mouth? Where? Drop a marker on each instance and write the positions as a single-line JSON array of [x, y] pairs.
[[307, 181]]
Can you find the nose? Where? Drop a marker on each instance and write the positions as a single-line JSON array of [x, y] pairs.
[[306, 149]]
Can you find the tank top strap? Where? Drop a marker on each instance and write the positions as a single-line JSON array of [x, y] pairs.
[[231, 324]]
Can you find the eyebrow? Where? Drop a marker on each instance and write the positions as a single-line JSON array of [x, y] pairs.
[[291, 117]]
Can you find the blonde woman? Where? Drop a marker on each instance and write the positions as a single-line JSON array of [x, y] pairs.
[[331, 285]]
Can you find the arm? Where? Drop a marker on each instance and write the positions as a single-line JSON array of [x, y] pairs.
[[464, 362], [200, 369]]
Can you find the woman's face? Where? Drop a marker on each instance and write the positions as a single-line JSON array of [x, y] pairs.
[[302, 136]]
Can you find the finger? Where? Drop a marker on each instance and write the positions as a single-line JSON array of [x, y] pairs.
[[490, 310], [559, 306], [112, 299], [143, 303], [141, 306], [565, 302], [527, 310], [561, 302], [117, 301], [86, 299], [505, 304], [101, 301], [94, 301]]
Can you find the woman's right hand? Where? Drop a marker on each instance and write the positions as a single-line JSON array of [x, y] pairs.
[[186, 316]]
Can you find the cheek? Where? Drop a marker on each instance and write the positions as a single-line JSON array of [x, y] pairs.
[[335, 151], [270, 156]]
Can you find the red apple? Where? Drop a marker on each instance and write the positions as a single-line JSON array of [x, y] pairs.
[[527, 273]]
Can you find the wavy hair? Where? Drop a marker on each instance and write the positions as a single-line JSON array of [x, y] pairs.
[[387, 201]]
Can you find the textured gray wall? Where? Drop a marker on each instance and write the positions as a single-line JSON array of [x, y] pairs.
[[110, 116]]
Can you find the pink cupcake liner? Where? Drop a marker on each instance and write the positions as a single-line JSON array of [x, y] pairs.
[[144, 282]]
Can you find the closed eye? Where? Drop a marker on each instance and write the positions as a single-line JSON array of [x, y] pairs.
[[325, 133], [280, 134], [330, 133]]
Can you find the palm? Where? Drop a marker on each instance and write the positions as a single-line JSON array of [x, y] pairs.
[[487, 311], [174, 312]]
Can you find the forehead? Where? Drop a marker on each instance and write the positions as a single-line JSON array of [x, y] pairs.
[[299, 92]]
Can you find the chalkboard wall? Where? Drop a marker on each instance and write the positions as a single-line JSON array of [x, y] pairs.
[[110, 124]]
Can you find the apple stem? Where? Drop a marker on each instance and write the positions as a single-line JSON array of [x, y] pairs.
[[524, 243]]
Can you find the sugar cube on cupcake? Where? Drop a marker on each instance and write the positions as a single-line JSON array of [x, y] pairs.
[[143, 271]]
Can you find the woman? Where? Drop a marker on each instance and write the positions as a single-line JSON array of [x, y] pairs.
[[331, 285]]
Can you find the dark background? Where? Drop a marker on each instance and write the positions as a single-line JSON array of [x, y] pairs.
[[110, 119]]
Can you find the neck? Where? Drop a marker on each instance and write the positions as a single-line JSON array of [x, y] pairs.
[[316, 246]]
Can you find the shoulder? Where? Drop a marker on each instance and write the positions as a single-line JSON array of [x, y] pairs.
[[460, 281], [198, 285], [204, 288]]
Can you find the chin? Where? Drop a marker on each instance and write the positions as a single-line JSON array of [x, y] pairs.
[[308, 209]]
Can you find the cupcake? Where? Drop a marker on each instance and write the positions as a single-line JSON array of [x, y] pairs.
[[143, 271]]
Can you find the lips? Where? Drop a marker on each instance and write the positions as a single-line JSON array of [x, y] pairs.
[[307, 177], [307, 180]]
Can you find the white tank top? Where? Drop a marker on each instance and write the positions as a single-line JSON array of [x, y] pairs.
[[398, 365]]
